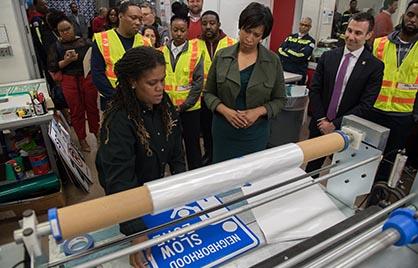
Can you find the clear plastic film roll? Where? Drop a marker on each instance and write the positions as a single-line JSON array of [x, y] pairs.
[[196, 184]]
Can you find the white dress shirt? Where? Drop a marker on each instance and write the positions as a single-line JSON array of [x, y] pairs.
[[176, 50], [353, 60]]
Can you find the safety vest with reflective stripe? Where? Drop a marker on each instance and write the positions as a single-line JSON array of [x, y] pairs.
[[112, 50], [400, 85], [178, 82], [223, 43]]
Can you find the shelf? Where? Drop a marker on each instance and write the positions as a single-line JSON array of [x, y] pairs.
[[6, 182]]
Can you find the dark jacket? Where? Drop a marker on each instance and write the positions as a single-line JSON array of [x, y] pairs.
[[211, 46], [361, 90], [80, 23], [57, 52], [265, 88], [294, 53], [123, 162]]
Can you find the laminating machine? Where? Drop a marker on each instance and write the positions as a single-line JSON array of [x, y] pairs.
[[260, 210]]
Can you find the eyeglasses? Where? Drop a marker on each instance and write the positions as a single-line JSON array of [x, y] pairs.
[[304, 24]]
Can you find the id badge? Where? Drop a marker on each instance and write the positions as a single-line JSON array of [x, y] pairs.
[[183, 88], [407, 86]]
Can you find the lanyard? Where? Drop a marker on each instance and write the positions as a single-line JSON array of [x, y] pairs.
[[399, 60]]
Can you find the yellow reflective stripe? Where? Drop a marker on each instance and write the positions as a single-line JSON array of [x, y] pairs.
[[294, 53], [380, 47], [400, 85], [169, 87], [182, 76], [112, 50], [394, 104], [298, 40], [282, 52], [392, 99], [193, 58], [106, 55], [38, 33], [393, 92], [146, 41], [223, 43], [230, 41], [396, 100]]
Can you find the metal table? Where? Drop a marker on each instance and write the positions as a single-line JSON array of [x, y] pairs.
[[291, 77], [16, 97]]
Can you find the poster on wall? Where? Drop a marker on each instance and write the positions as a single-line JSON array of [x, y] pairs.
[[86, 7]]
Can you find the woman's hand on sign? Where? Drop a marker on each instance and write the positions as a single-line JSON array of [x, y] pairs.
[[138, 260]]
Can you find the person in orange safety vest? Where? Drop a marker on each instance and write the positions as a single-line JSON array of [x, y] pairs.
[[110, 46], [396, 106]]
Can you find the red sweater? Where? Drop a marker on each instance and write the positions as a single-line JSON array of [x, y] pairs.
[[383, 25], [195, 29], [99, 24]]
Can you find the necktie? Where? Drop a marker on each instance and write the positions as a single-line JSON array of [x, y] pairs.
[[338, 87]]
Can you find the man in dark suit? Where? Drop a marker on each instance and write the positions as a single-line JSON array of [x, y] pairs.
[[79, 21], [347, 81]]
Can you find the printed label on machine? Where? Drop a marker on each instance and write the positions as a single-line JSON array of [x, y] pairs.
[[207, 246]]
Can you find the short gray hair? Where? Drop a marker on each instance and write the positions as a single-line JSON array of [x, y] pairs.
[[148, 5]]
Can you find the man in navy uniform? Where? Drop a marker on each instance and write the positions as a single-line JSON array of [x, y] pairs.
[[296, 50]]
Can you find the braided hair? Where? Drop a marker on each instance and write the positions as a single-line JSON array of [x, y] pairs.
[[134, 63]]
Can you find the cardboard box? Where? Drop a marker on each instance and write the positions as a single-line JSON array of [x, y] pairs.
[[14, 210]]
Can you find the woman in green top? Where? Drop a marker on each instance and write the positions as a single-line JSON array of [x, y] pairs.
[[245, 88]]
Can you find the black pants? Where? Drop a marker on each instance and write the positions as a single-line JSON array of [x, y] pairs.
[[315, 164], [400, 128], [190, 122], [206, 130]]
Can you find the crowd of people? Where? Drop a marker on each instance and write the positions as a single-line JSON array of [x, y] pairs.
[[162, 88]]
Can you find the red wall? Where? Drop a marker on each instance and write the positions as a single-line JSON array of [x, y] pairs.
[[283, 11]]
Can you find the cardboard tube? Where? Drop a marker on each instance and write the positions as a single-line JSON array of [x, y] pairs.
[[321, 146], [103, 212]]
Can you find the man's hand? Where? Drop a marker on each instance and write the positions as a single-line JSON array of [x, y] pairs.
[[325, 126], [138, 260]]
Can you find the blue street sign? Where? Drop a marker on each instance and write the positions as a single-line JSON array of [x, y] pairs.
[[207, 246]]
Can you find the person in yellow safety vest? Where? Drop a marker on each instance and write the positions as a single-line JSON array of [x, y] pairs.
[[110, 46], [184, 83], [212, 40], [396, 106]]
